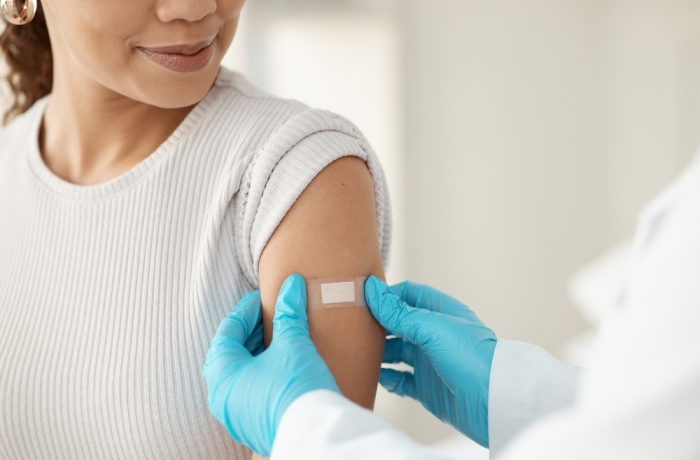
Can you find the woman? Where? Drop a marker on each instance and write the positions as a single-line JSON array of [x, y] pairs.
[[139, 201]]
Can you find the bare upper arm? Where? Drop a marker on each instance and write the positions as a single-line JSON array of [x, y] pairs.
[[331, 231]]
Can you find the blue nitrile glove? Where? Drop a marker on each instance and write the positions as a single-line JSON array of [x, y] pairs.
[[250, 389], [449, 348]]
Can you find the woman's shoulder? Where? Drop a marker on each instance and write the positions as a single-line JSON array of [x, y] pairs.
[[249, 104], [255, 128], [16, 134], [283, 161], [234, 90], [231, 80]]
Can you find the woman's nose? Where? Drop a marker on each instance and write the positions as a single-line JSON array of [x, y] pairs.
[[186, 10]]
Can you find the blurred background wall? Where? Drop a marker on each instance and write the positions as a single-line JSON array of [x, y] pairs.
[[520, 139]]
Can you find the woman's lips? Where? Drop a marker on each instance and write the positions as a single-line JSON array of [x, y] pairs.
[[182, 58]]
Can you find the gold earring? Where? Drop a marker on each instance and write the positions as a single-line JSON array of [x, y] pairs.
[[18, 12]]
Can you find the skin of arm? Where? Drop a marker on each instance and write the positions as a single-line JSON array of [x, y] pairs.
[[331, 231]]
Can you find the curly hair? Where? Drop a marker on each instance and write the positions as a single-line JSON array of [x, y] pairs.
[[27, 52]]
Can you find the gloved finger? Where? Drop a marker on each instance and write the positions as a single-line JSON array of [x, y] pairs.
[[290, 318], [255, 343], [398, 382], [227, 350], [429, 298], [397, 350], [241, 322], [222, 361], [397, 317]]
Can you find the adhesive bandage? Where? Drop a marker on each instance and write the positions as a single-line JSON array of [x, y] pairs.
[[336, 293]]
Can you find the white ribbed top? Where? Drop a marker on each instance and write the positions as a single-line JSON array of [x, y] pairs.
[[110, 293]]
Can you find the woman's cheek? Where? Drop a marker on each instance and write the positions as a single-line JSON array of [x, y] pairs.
[[229, 9]]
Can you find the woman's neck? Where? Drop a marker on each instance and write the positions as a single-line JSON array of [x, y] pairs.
[[91, 134]]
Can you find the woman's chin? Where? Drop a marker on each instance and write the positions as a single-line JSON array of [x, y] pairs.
[[178, 91]]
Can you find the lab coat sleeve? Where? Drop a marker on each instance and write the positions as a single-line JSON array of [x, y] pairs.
[[526, 383], [323, 425]]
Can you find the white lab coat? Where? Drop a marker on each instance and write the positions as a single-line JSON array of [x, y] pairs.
[[640, 398]]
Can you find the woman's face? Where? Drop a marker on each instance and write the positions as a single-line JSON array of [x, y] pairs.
[[152, 51]]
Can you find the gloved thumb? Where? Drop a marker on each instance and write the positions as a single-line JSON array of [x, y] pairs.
[[290, 311]]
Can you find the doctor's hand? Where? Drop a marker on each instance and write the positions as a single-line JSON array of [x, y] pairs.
[[250, 389], [449, 348]]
